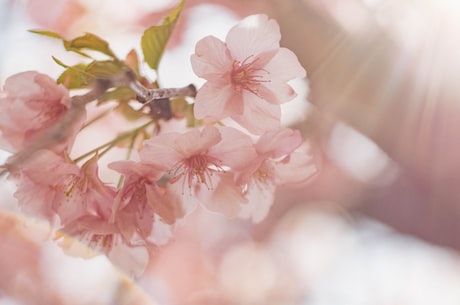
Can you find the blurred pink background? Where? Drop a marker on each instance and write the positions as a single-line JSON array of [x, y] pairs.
[[379, 224]]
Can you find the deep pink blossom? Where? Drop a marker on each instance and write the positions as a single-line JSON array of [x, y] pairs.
[[246, 75], [31, 103], [202, 161], [278, 163]]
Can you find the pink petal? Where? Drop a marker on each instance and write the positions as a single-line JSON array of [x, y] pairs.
[[260, 198], [161, 152], [225, 198], [35, 199], [57, 94], [216, 100], [22, 85], [100, 197], [69, 208], [248, 172], [253, 35], [278, 143], [128, 168], [285, 66], [48, 168], [236, 149], [258, 116], [276, 92], [298, 168], [32, 103], [187, 198], [196, 140], [167, 206], [211, 59]]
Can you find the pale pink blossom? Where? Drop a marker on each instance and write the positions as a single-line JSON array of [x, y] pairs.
[[246, 75], [51, 186], [203, 160], [43, 182], [86, 209], [278, 163], [141, 202], [31, 103]]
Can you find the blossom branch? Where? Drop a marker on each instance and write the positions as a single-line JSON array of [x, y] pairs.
[[146, 95]]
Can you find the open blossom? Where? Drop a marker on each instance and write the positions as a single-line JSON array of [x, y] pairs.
[[201, 162], [141, 202], [246, 75], [277, 163], [123, 241], [57, 189], [51, 186], [32, 102], [43, 183]]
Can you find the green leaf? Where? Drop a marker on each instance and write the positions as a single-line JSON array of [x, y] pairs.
[[47, 33], [155, 38], [106, 68], [59, 62], [82, 75], [74, 77], [86, 42], [119, 93], [91, 42]]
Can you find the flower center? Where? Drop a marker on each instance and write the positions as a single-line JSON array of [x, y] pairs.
[[265, 173], [71, 184], [246, 76], [135, 192], [197, 168], [102, 242]]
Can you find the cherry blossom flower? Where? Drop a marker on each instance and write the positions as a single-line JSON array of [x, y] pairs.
[[246, 75], [85, 207], [141, 202], [203, 160], [43, 182], [51, 186], [32, 102], [277, 164]]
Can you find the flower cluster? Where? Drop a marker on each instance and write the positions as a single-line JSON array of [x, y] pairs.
[[230, 158]]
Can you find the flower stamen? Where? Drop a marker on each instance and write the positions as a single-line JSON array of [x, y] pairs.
[[245, 76], [197, 168]]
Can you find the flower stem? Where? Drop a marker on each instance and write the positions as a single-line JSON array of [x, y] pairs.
[[109, 145], [97, 118]]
